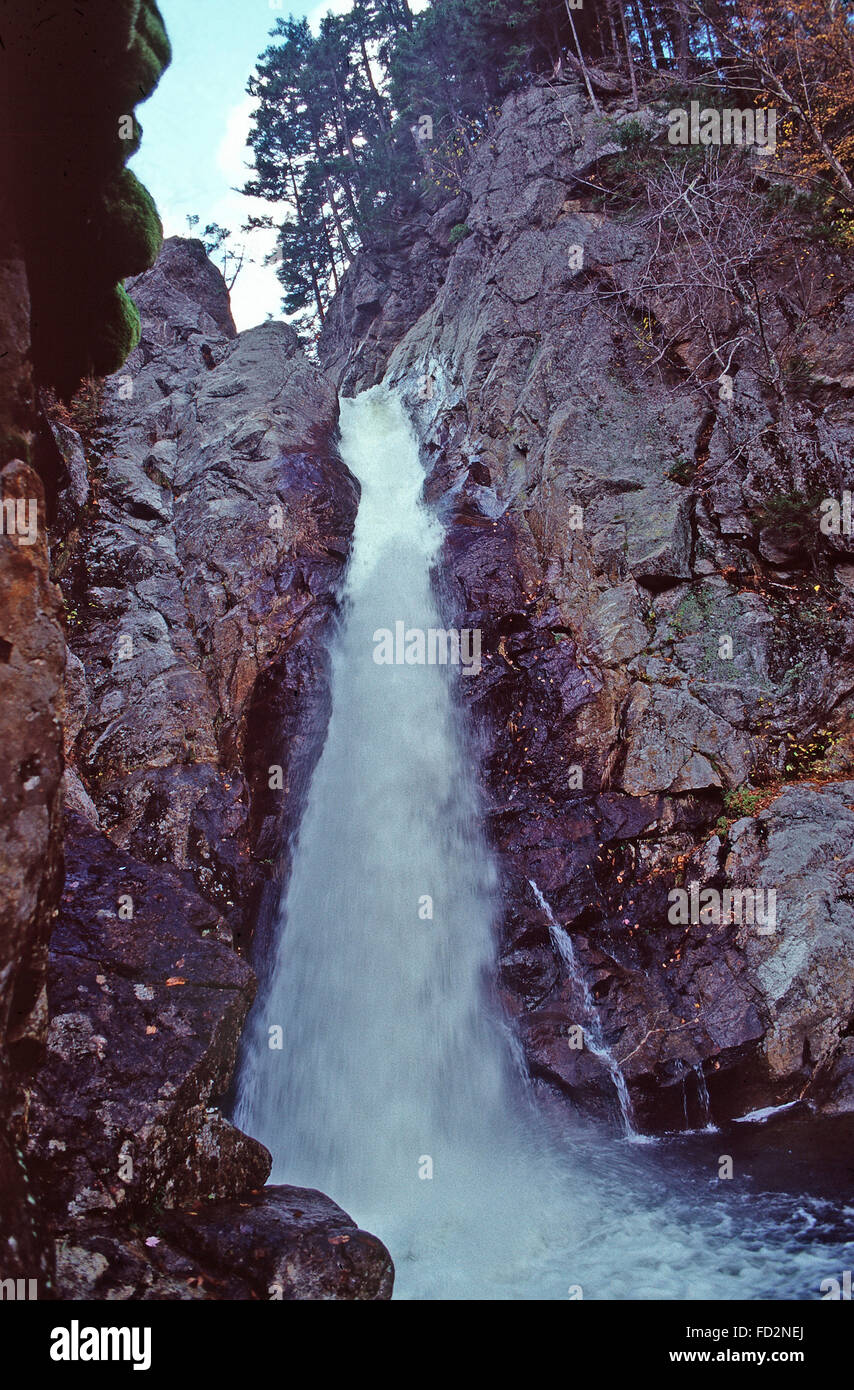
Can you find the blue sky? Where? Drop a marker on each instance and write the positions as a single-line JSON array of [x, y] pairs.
[[195, 126]]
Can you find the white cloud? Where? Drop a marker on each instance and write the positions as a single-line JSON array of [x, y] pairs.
[[233, 154], [257, 293], [321, 11]]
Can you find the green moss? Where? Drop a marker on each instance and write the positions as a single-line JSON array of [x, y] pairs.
[[98, 60], [102, 330], [144, 72], [682, 471], [131, 233], [116, 27], [116, 332], [632, 134], [149, 54], [126, 148], [790, 511], [741, 802], [458, 232], [151, 25]]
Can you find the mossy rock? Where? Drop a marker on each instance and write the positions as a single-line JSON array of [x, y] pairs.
[[150, 24], [115, 334], [130, 230], [149, 54], [115, 27], [121, 150], [103, 329], [98, 60]]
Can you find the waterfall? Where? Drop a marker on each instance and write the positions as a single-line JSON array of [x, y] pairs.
[[375, 1066], [704, 1103], [593, 1036], [703, 1096], [386, 932]]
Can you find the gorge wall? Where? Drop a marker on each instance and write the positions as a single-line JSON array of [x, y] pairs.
[[163, 665], [612, 519], [198, 543]]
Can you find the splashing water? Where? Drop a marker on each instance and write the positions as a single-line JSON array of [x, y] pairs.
[[397, 1090], [703, 1096], [593, 1036]]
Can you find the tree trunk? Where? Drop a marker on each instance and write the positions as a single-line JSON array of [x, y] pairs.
[[351, 204], [379, 104], [655, 34], [679, 36], [318, 299], [639, 25], [342, 123], [584, 74], [345, 242], [629, 59], [615, 50]]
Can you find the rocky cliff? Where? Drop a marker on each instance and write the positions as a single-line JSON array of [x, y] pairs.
[[664, 699], [198, 547], [666, 691], [32, 651], [66, 200]]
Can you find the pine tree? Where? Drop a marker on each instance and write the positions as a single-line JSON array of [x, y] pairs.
[[383, 107]]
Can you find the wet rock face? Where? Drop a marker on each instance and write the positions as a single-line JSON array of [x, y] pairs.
[[199, 550], [147, 1002], [654, 635], [32, 658], [278, 1244], [381, 297], [803, 964]]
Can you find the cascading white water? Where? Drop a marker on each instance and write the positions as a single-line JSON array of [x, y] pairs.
[[384, 1032], [396, 1089], [593, 1029]]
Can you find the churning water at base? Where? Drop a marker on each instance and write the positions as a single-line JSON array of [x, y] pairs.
[[397, 1089]]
